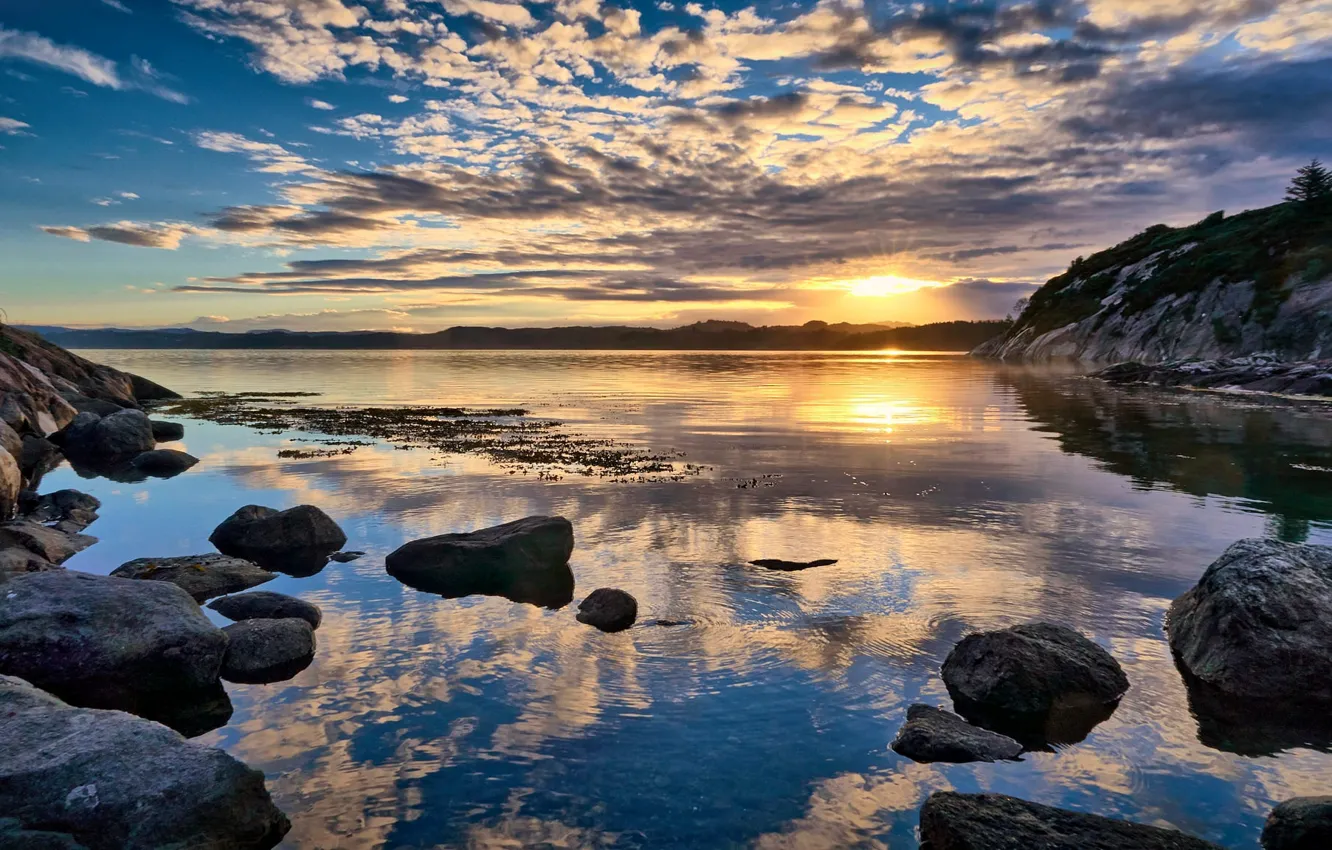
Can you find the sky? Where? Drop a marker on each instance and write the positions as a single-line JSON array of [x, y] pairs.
[[418, 164]]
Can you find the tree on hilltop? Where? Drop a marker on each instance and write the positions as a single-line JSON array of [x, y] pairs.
[[1312, 185]]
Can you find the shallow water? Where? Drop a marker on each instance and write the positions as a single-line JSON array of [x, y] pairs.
[[956, 495]]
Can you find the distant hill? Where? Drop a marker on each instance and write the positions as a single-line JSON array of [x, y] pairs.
[[1224, 287], [701, 336]]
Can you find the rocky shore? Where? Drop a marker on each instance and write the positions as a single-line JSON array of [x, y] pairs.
[[1256, 373]]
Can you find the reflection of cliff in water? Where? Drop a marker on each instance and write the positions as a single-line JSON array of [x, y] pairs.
[[1277, 457]]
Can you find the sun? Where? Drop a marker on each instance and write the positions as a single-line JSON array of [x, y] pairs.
[[881, 286]]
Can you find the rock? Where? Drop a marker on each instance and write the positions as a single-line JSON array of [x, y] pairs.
[[263, 651], [791, 566], [1254, 374], [69, 371], [103, 642], [523, 561], [1303, 823], [1259, 623], [38, 457], [164, 463], [110, 781], [50, 544], [84, 404], [293, 540], [29, 402], [345, 557], [146, 390], [201, 576], [16, 562], [14, 837], [166, 432], [1255, 727], [609, 609], [10, 440], [70, 510], [1038, 682], [934, 735], [952, 821], [267, 605], [106, 441], [11, 483], [668, 623]]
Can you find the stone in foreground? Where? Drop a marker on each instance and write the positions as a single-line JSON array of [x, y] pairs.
[[792, 566], [106, 441], [263, 651], [166, 432], [163, 463], [1038, 682], [1259, 623], [934, 735], [524, 561], [299, 539], [609, 609], [201, 576], [1304, 823], [266, 605], [49, 544], [103, 642], [952, 821], [69, 511], [109, 781]]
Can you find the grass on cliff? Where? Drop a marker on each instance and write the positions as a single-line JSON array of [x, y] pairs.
[[1272, 247]]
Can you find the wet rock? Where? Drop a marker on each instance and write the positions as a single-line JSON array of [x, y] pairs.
[[38, 457], [163, 463], [791, 566], [108, 440], [1303, 823], [1257, 373], [299, 539], [84, 404], [608, 609], [69, 511], [146, 390], [11, 483], [952, 821], [166, 432], [1039, 683], [1259, 623], [49, 544], [345, 557], [103, 642], [110, 781], [523, 561], [934, 735], [201, 576], [263, 651], [266, 605]]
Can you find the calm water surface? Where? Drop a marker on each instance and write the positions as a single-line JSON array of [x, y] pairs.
[[957, 496]]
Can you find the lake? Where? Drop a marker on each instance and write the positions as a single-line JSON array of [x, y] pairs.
[[956, 495]]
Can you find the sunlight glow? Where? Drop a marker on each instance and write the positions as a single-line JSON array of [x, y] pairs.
[[880, 286]]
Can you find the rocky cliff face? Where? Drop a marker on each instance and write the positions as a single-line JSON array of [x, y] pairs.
[[1225, 287]]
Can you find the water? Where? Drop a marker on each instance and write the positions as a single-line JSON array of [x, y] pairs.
[[957, 496]]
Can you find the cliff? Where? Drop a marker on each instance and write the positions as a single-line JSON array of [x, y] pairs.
[[1225, 287]]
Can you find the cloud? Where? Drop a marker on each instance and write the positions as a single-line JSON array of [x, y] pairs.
[[319, 104], [272, 157], [13, 127], [98, 70], [166, 235], [119, 6]]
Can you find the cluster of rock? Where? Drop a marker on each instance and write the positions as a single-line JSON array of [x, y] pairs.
[[1255, 373]]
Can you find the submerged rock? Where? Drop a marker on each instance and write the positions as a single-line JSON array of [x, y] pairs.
[[934, 735], [109, 781], [297, 540], [50, 544], [163, 463], [1303, 823], [1259, 623], [952, 821], [609, 609], [523, 561], [106, 441], [1038, 682], [263, 651], [201, 576], [166, 432], [345, 557], [792, 566], [267, 605], [103, 642]]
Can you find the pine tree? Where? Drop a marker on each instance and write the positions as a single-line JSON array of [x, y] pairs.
[[1312, 185]]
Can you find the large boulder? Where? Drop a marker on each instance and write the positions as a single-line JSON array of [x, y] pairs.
[[110, 781], [163, 463], [295, 540], [49, 544], [201, 576], [934, 735], [1038, 682], [952, 821], [103, 642], [11, 483], [267, 605], [29, 402], [609, 609], [1258, 624], [524, 561], [1304, 823], [107, 441], [262, 651]]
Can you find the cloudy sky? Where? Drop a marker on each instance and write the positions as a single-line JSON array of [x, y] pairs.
[[417, 164]]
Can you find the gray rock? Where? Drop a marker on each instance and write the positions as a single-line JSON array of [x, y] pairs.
[[69, 511], [84, 404], [952, 821], [267, 605], [103, 642], [609, 609], [38, 457], [934, 735], [1259, 623], [10, 441], [16, 562], [263, 651], [11, 483], [166, 432], [110, 781], [50, 544], [523, 561], [14, 837], [1304, 823], [163, 463], [107, 441], [146, 390], [201, 576], [1038, 682], [293, 540]]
